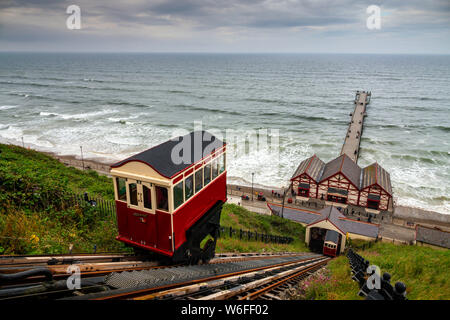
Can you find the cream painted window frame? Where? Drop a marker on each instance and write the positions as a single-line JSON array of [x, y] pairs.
[[208, 160]]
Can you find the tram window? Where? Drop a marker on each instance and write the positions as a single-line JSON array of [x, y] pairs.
[[162, 202], [132, 189], [178, 195], [147, 197], [215, 171], [207, 174], [121, 189], [221, 163], [189, 187], [198, 180]]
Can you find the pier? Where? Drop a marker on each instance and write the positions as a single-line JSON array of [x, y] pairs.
[[355, 127]]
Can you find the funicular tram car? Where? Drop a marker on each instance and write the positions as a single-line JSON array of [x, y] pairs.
[[331, 245], [167, 206]]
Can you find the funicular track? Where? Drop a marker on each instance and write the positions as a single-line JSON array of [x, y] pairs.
[[99, 271], [57, 265], [257, 283]]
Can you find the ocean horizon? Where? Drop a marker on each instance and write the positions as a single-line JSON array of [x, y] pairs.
[[118, 104]]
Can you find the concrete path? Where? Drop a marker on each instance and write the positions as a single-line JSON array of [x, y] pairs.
[[392, 231], [253, 206]]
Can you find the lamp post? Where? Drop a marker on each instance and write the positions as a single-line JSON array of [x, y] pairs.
[[252, 184], [82, 160]]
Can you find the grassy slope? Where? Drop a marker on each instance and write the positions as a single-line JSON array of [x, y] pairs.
[[33, 219], [240, 218], [45, 172], [424, 271]]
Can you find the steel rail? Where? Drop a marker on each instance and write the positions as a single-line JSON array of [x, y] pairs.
[[43, 258], [85, 274], [9, 256], [242, 288], [140, 292], [10, 261], [205, 287], [299, 274], [96, 268], [93, 269]]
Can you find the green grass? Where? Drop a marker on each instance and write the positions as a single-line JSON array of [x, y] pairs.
[[240, 218], [35, 217], [34, 214], [424, 270], [29, 178]]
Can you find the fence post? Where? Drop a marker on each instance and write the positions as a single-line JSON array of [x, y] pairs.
[[113, 207]]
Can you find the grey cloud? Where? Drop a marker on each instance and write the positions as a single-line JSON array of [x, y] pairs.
[[344, 18], [48, 4]]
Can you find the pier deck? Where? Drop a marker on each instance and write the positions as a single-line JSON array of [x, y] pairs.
[[354, 132]]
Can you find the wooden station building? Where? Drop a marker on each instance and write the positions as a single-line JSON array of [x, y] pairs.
[[341, 182]]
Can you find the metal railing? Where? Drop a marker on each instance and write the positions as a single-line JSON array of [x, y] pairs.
[[104, 206], [230, 232]]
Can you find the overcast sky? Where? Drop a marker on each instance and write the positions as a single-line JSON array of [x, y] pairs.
[[335, 26]]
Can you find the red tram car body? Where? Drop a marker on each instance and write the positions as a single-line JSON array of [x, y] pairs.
[[169, 197], [331, 244]]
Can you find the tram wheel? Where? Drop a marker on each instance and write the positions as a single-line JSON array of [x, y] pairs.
[[194, 256], [209, 250]]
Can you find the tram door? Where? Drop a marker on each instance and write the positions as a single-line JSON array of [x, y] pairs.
[[141, 212], [373, 204]]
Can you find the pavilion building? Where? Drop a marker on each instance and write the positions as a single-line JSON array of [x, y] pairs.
[[341, 182]]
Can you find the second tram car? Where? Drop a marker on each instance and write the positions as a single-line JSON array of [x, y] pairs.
[[331, 245], [169, 197]]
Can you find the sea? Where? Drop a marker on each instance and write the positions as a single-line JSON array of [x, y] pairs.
[[116, 104]]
